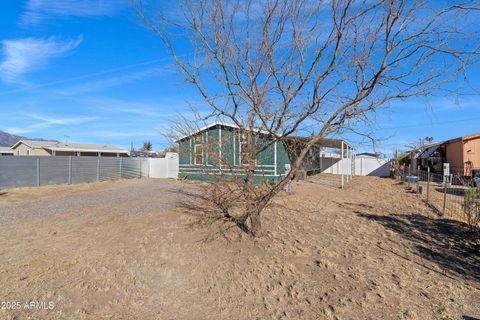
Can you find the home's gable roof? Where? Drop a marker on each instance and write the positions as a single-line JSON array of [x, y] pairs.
[[212, 125], [70, 147], [35, 144], [329, 143]]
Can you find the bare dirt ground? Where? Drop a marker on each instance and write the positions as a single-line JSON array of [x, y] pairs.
[[122, 250]]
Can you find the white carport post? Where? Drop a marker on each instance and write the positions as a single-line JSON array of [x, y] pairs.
[[341, 161], [346, 162], [352, 163]]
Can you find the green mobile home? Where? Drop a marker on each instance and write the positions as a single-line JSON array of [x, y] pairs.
[[220, 148]]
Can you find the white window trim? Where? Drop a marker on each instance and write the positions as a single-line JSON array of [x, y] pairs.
[[206, 153], [190, 153], [195, 144], [275, 157], [234, 150], [240, 155]]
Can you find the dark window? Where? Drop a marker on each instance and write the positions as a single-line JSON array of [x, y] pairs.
[[244, 152], [198, 153]]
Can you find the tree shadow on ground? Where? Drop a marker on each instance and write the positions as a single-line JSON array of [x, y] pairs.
[[447, 243], [210, 211], [219, 211], [452, 191]]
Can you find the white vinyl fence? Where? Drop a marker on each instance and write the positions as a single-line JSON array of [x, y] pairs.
[[359, 167], [372, 167], [29, 171]]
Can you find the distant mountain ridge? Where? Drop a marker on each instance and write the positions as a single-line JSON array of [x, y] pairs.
[[8, 140]]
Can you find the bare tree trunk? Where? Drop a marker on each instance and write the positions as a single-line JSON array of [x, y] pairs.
[[252, 208], [256, 223]]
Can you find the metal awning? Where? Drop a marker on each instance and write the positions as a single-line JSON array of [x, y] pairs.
[[327, 143], [428, 152]]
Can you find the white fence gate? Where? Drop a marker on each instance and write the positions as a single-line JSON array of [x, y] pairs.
[[164, 167]]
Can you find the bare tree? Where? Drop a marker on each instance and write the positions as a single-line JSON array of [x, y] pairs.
[[293, 66]]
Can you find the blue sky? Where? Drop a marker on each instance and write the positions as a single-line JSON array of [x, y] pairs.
[[87, 70]]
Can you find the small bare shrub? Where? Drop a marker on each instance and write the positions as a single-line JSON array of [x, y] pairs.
[[472, 208]]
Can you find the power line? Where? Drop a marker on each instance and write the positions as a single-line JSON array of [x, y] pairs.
[[431, 124]]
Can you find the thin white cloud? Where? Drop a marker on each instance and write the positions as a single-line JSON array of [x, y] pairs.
[[21, 56], [114, 81], [121, 134], [96, 74], [140, 111], [16, 130], [48, 121], [45, 122], [38, 11]]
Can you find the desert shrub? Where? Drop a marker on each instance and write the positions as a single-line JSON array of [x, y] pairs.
[[472, 207], [182, 175]]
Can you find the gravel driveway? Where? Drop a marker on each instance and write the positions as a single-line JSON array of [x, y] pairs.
[[124, 197]]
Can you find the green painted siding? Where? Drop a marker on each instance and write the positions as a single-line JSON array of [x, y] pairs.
[[184, 151], [212, 146], [227, 159], [282, 158], [228, 155]]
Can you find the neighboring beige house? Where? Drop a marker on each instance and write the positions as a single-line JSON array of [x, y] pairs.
[[54, 148], [6, 151], [462, 153]]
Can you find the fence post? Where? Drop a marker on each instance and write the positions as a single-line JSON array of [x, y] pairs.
[[346, 170], [140, 167], [444, 194], [38, 171], [428, 183], [121, 167], [341, 161], [70, 170], [98, 169], [418, 179], [149, 167]]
